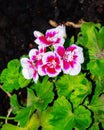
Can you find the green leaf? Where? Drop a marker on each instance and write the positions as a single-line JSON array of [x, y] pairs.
[[33, 123], [103, 125], [92, 38], [95, 126], [97, 103], [68, 42], [97, 106], [10, 127], [15, 63], [82, 118], [22, 81], [63, 118], [96, 67], [75, 88], [14, 104], [99, 86], [23, 115], [44, 93], [62, 114], [45, 116], [9, 76], [100, 37], [31, 98]]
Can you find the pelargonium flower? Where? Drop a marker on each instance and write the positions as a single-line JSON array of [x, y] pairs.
[[29, 70], [51, 64], [52, 37], [36, 55], [72, 59]]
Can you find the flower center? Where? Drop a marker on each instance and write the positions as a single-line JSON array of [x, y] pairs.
[[52, 64], [68, 56]]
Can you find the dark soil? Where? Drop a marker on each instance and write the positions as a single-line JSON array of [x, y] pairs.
[[19, 18]]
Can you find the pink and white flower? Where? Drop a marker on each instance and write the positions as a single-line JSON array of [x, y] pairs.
[[52, 37], [35, 55], [72, 58], [29, 70], [51, 64]]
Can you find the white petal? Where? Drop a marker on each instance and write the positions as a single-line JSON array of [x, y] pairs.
[[37, 34], [62, 31], [80, 57], [24, 62], [76, 70], [32, 52], [51, 30], [79, 53], [41, 71], [28, 73]]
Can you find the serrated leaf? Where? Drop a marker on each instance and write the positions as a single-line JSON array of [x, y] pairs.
[[44, 118], [44, 93], [23, 116], [63, 118], [97, 106], [100, 38], [82, 117], [95, 126], [97, 103], [22, 81], [99, 86], [31, 98], [92, 38], [14, 103], [15, 63], [62, 114], [74, 88], [10, 127], [9, 76], [96, 67], [3, 75], [33, 123]]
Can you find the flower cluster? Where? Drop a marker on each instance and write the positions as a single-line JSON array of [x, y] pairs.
[[43, 61]]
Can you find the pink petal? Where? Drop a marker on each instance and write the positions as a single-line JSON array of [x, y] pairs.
[[71, 48], [42, 49], [66, 67], [60, 50], [45, 41], [51, 33], [35, 77], [52, 72]]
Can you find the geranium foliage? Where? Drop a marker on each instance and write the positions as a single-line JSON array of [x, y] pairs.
[[63, 82]]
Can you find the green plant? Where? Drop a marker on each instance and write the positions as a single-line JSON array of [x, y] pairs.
[[62, 102]]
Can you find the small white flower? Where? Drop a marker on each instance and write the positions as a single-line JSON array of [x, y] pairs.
[[29, 70]]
